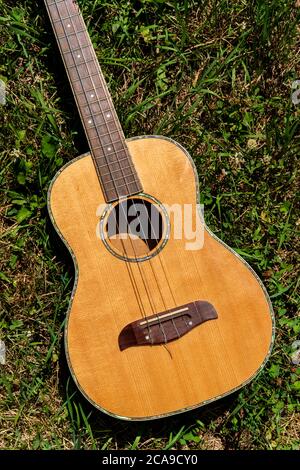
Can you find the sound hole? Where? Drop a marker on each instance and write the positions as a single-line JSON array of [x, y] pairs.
[[134, 228]]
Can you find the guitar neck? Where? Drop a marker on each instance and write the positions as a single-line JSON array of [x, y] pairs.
[[108, 147]]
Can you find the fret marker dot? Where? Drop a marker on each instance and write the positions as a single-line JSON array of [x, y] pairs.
[[90, 121], [68, 25], [108, 115], [109, 149], [78, 55], [92, 95]]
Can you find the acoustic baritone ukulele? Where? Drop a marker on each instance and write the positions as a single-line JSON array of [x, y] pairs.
[[153, 328]]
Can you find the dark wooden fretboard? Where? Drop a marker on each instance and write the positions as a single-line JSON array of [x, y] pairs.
[[109, 150]]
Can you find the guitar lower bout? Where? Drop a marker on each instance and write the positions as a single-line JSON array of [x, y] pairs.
[[153, 328]]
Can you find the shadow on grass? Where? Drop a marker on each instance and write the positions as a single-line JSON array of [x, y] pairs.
[[150, 432]]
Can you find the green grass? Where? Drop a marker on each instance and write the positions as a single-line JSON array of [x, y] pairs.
[[214, 75]]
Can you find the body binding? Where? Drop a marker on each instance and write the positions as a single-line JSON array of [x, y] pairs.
[[209, 362]]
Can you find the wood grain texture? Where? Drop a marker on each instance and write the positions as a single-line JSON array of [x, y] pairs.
[[209, 361]]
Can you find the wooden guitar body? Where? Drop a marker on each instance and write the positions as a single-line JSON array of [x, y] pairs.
[[152, 381]]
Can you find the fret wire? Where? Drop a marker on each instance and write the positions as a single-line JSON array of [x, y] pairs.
[[86, 62], [88, 104], [111, 163], [112, 153], [116, 151], [111, 143], [92, 89], [71, 34], [114, 171], [66, 18], [120, 169], [93, 138], [121, 177], [80, 48], [105, 165], [85, 92], [102, 146], [126, 151], [82, 87], [84, 78], [108, 154], [102, 135], [94, 101], [101, 113], [95, 115], [116, 122], [67, 38]]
